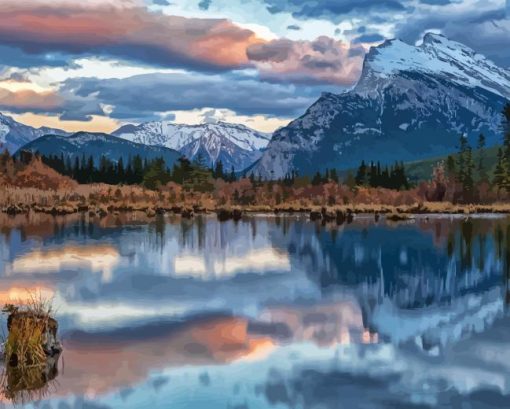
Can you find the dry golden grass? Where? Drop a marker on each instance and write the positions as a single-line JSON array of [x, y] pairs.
[[28, 370], [22, 386], [98, 200], [28, 325]]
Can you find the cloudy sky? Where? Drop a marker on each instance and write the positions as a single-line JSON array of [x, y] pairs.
[[96, 64]]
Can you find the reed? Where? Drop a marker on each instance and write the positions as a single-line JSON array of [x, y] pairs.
[[29, 325]]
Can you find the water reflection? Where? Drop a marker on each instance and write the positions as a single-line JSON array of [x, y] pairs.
[[270, 311]]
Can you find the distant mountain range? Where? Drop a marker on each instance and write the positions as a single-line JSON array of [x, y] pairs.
[[234, 145], [410, 103], [96, 145], [13, 135]]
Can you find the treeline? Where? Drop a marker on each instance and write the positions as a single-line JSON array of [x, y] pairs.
[[502, 171], [150, 173], [374, 175], [468, 176]]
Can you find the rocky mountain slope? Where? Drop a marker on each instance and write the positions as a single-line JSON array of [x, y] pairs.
[[411, 102], [13, 134], [235, 145]]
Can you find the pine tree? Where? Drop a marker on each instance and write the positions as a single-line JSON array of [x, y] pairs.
[[232, 177], [361, 175], [499, 172], [372, 175], [334, 175], [468, 183], [156, 174], [121, 176], [461, 158], [218, 170], [317, 179], [91, 173], [482, 173], [326, 176], [451, 169], [506, 146]]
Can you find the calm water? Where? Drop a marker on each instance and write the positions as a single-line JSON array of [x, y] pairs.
[[269, 312]]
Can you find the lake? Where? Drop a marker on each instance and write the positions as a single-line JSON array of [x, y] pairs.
[[268, 312]]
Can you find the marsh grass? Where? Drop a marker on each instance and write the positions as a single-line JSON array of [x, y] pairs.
[[22, 386], [28, 368], [28, 326]]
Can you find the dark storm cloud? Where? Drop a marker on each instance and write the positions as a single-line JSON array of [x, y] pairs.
[[330, 9], [144, 95], [368, 38], [336, 10], [14, 57], [204, 4], [436, 2]]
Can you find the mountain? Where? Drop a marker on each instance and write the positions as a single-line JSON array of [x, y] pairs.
[[13, 135], [235, 145], [97, 145], [411, 102]]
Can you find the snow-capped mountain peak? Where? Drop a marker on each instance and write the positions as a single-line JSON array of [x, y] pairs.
[[234, 144], [411, 102], [439, 56], [13, 134]]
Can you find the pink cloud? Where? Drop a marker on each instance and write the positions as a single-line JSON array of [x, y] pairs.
[[131, 32], [29, 100], [127, 29], [322, 60]]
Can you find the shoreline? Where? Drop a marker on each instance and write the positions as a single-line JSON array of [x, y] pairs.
[[327, 213]]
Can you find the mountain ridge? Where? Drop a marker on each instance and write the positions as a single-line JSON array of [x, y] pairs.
[[97, 144], [236, 145], [14, 134], [411, 102]]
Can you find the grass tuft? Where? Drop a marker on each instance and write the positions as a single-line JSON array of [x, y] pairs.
[[29, 325]]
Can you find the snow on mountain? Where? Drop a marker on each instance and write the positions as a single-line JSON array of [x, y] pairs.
[[14, 135], [437, 55], [235, 145], [411, 102]]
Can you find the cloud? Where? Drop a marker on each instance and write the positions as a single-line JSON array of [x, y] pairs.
[[489, 28], [323, 60], [15, 57], [144, 97], [29, 100], [436, 2], [18, 77], [211, 116], [334, 10], [369, 38], [204, 4], [126, 30], [294, 27]]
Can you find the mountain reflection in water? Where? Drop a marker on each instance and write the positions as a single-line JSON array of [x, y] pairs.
[[269, 311]]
